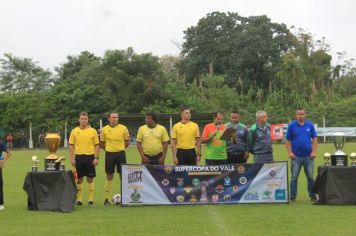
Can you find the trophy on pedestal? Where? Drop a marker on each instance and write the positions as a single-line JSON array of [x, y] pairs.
[[339, 158], [34, 163], [52, 161], [353, 159], [327, 157]]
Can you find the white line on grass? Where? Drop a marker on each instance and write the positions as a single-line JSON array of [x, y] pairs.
[[221, 226]]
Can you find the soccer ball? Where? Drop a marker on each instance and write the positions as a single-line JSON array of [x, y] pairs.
[[116, 199]]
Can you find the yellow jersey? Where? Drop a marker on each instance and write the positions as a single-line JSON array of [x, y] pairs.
[[185, 134], [114, 137], [152, 139], [84, 140]]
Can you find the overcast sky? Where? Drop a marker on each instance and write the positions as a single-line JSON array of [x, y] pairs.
[[49, 30]]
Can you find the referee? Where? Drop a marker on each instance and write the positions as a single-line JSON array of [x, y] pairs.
[[114, 140], [84, 155], [186, 145]]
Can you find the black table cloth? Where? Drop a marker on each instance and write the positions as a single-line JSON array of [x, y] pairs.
[[50, 191]]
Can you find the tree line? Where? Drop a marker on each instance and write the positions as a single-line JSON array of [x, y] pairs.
[[227, 62]]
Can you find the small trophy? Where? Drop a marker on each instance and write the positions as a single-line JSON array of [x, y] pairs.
[[327, 157], [353, 159], [34, 163], [339, 158]]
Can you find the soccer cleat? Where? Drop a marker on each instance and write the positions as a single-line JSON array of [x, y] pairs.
[[79, 203], [2, 207], [106, 202], [90, 203]]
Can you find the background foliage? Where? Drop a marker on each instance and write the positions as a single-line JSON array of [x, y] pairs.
[[227, 62]]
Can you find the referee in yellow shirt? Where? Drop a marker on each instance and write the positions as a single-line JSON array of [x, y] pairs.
[[152, 141], [185, 138], [84, 155], [114, 140]]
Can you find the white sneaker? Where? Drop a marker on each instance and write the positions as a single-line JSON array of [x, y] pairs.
[[2, 207]]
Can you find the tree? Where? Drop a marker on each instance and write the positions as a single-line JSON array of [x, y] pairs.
[[23, 75]]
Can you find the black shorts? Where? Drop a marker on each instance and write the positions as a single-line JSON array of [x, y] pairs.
[[154, 159], [84, 166], [114, 159], [187, 157], [236, 158]]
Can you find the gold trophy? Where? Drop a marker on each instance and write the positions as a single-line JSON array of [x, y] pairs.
[[353, 159], [52, 141], [327, 157], [34, 163]]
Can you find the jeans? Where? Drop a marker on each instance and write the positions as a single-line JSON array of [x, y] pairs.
[[296, 165]]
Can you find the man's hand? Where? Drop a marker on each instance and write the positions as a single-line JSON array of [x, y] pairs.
[[96, 161], [72, 161], [145, 160], [291, 155], [161, 160], [198, 158], [175, 160], [313, 155]]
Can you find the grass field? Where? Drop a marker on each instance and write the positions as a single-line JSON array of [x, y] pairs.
[[299, 218]]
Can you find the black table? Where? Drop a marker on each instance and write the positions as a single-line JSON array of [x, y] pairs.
[[336, 185], [50, 191]]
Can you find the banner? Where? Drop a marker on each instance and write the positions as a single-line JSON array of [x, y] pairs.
[[276, 132], [225, 184]]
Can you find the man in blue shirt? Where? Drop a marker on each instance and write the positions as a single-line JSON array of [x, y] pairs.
[[301, 142]]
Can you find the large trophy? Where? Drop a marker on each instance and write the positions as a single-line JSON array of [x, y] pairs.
[[339, 158], [52, 161]]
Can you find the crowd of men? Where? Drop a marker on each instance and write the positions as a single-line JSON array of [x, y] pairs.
[[229, 143]]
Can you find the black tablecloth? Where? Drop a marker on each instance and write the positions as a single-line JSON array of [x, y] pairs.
[[336, 185], [50, 191]]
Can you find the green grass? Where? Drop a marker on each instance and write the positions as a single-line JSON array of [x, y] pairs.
[[299, 218]]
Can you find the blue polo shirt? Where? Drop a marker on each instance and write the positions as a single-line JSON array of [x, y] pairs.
[[2, 149], [301, 137]]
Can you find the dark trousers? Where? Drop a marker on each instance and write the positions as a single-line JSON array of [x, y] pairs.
[[1, 189], [212, 162], [236, 158], [153, 160]]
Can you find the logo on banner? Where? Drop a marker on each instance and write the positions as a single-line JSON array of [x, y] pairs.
[[180, 182], [272, 173], [135, 196], [240, 169], [168, 169], [235, 188], [251, 196], [172, 190], [196, 182], [227, 181], [165, 182], [243, 180], [193, 198], [215, 198], [267, 195], [188, 189], [204, 191], [227, 198], [180, 198], [219, 188], [134, 177], [280, 194]]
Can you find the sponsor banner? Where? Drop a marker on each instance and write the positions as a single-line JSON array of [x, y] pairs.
[[225, 184], [276, 132], [349, 131]]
